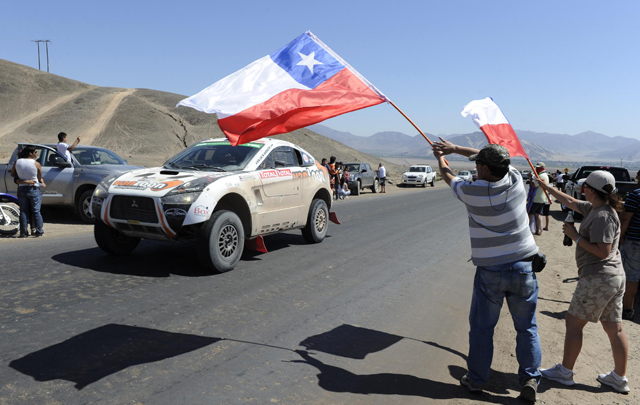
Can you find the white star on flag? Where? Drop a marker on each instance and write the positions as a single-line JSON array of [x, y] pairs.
[[308, 60]]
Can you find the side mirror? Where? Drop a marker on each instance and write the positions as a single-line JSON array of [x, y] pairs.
[[63, 165]]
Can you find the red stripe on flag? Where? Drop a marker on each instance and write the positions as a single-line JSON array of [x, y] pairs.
[[503, 134], [296, 108]]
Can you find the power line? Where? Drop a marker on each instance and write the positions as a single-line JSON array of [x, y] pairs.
[[46, 42]]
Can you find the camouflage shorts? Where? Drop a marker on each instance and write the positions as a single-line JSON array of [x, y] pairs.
[[598, 297]]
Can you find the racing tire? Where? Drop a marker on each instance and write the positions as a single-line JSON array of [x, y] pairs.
[[317, 222], [112, 241], [221, 242], [10, 221], [356, 191], [376, 184], [83, 207]]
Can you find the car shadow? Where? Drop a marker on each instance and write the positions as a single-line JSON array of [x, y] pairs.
[[161, 259], [149, 259]]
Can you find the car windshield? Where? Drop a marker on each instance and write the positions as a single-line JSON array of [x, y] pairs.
[[354, 168], [474, 172], [97, 156], [463, 174], [417, 169], [214, 155]]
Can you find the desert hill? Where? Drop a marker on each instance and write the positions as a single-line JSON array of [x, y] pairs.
[[141, 125]]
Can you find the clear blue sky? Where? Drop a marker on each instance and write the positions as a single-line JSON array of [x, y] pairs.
[[552, 66]]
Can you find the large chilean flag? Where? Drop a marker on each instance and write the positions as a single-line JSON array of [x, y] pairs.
[[489, 118], [301, 84]]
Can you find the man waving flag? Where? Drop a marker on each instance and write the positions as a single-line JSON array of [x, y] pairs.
[[489, 118], [301, 84]]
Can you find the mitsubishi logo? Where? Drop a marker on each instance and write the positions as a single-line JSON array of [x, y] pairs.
[[133, 204]]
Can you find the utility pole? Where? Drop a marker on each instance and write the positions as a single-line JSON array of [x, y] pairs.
[[46, 42]]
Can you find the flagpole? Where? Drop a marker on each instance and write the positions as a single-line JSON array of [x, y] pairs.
[[538, 177], [414, 125]]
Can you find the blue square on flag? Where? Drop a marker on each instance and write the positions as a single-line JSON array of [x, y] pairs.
[[306, 61]]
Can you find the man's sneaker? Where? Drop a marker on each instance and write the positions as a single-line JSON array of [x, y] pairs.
[[529, 390], [471, 387], [628, 314], [558, 373], [613, 380]]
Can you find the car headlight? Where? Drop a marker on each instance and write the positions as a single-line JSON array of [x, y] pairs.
[[102, 189], [180, 198], [194, 186]]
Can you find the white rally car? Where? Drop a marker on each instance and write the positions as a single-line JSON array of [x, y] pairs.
[[218, 194]]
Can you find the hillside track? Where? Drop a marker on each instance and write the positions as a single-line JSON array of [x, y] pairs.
[[107, 114], [9, 128]]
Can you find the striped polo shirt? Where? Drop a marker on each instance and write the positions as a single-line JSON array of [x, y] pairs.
[[632, 204], [498, 220]]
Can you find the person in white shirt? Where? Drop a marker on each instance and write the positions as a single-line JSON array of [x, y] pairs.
[[29, 174], [382, 177], [63, 148]]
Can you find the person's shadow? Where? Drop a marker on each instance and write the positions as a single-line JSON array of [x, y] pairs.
[[356, 343]]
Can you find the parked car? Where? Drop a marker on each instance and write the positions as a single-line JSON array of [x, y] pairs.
[[525, 174], [69, 183], [574, 185], [465, 175], [362, 176], [419, 175], [219, 196]]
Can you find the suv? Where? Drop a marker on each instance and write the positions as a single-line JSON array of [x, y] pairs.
[[419, 175], [218, 195], [361, 176]]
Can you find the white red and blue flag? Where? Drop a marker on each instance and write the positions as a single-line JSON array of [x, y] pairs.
[[301, 84]]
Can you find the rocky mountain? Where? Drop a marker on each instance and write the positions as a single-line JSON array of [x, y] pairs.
[[587, 147]]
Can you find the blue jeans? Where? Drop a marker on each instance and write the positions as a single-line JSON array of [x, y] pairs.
[[30, 200], [518, 284]]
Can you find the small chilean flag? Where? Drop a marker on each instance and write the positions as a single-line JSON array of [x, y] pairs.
[[301, 84], [487, 116]]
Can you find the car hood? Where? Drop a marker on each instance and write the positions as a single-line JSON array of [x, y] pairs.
[[157, 182], [413, 173]]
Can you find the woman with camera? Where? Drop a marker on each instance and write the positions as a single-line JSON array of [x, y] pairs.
[[598, 295]]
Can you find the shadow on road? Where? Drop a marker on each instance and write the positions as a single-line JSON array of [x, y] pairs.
[[150, 259], [98, 353], [356, 343], [162, 259]]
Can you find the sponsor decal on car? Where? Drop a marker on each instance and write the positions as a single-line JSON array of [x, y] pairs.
[[201, 210], [175, 212], [305, 158], [144, 184], [270, 174]]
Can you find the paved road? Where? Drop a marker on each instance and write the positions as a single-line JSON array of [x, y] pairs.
[[374, 314]]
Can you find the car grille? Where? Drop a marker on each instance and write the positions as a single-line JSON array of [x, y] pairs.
[[139, 209]]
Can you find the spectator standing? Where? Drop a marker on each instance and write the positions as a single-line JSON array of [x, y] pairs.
[[600, 288], [65, 149], [332, 175], [382, 177], [560, 180], [502, 249], [630, 250], [540, 198], [29, 173]]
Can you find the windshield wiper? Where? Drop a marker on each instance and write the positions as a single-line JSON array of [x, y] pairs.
[[203, 166]]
